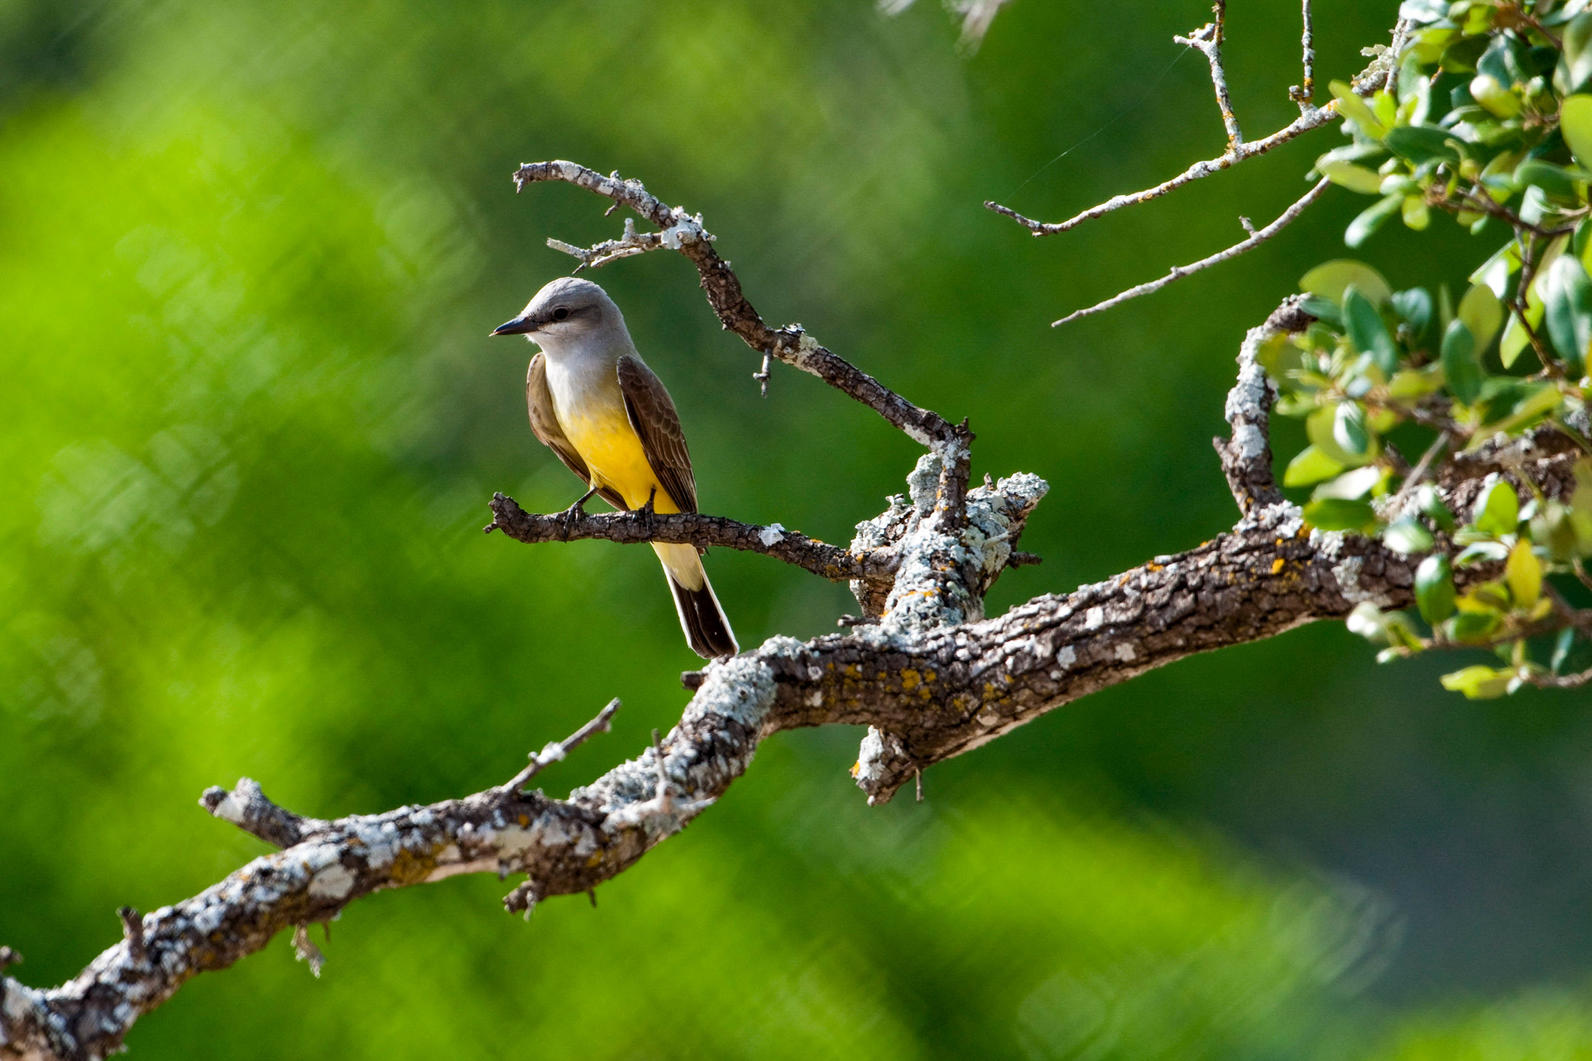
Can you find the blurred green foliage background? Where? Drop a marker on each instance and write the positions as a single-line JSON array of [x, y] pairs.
[[249, 254]]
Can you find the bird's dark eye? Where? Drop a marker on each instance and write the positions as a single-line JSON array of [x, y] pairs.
[[560, 314]]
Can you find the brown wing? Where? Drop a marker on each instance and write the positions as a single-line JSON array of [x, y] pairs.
[[652, 414], [545, 426]]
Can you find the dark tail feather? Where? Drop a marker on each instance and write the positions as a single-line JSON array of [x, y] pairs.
[[706, 628]]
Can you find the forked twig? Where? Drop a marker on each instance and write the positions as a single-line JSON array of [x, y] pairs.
[[558, 751], [1313, 118], [1178, 272], [1207, 40]]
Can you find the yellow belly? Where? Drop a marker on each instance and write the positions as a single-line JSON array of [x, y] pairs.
[[613, 454]]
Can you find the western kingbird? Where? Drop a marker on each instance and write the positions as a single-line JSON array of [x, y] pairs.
[[597, 405]]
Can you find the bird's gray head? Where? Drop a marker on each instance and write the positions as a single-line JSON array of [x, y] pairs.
[[567, 311]]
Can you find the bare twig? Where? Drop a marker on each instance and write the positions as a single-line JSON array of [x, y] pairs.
[[1305, 92], [609, 250], [1208, 41], [1313, 118], [827, 561], [132, 931], [1560, 681], [1401, 33], [1423, 467], [558, 751], [247, 807], [761, 375], [685, 233], [663, 794], [1178, 272]]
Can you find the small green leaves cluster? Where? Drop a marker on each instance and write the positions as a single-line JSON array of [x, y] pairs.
[[1485, 114], [1514, 612], [1488, 114], [1389, 384]]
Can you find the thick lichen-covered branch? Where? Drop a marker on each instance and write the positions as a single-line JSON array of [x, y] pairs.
[[931, 677]]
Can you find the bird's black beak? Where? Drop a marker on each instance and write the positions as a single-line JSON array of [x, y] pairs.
[[517, 326]]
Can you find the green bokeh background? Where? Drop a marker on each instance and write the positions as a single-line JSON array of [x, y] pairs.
[[249, 254]]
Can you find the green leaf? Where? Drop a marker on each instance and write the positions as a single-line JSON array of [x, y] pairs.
[[1498, 509], [1482, 553], [1367, 332], [1419, 144], [1332, 278], [1516, 339], [1514, 342], [1554, 529], [1527, 402], [1581, 500], [1430, 501], [1482, 313], [1567, 310], [1352, 485], [1333, 513], [1434, 588], [1417, 215], [1354, 177], [1324, 310], [1561, 649], [1414, 383], [1494, 95], [1321, 428], [1575, 64], [1400, 184], [1350, 432], [1523, 575], [1309, 466], [1460, 365], [1469, 626], [1478, 682], [1356, 110], [1408, 536], [1427, 45], [1497, 270], [1366, 621], [1555, 181], [1415, 309], [1371, 218]]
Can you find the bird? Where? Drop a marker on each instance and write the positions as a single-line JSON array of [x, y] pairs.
[[594, 402]]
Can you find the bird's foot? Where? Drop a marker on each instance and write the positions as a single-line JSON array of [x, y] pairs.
[[575, 512], [646, 513]]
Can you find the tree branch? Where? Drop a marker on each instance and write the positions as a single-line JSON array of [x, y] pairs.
[[790, 343], [822, 559], [1305, 92], [1313, 118], [1208, 41], [950, 443], [932, 678], [1178, 272], [1246, 454]]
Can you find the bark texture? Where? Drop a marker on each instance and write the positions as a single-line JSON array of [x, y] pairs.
[[926, 670]]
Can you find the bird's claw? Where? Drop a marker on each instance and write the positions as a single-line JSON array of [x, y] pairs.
[[574, 512]]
